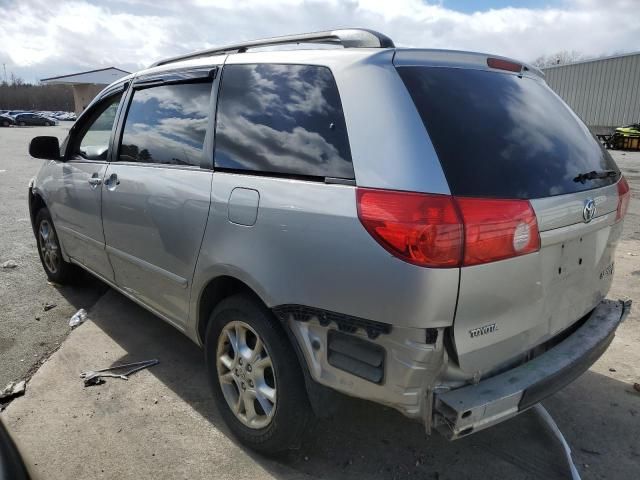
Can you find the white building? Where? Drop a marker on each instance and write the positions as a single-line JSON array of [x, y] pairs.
[[86, 85]]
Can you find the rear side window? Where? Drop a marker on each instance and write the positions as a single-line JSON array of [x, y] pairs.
[[281, 119], [503, 136], [167, 124]]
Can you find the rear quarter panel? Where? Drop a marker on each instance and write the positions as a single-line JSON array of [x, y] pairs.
[[308, 247]]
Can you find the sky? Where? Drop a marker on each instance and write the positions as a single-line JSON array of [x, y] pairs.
[[44, 38]]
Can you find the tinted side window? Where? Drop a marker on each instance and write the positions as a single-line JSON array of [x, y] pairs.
[[282, 119], [167, 124]]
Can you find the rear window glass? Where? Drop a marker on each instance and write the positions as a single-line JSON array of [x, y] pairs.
[[167, 125], [281, 119], [503, 136]]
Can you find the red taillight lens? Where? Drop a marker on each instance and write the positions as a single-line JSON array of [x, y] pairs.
[[442, 231], [624, 197], [497, 229], [418, 228], [501, 64]]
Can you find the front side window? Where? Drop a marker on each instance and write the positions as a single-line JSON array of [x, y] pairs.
[[167, 125], [281, 119], [94, 142]]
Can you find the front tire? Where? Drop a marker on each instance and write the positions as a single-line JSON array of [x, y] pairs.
[[257, 381], [47, 124], [49, 249]]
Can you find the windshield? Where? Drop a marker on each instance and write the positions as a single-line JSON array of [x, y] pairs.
[[502, 135]]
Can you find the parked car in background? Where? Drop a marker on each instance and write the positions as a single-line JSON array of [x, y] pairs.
[[33, 119], [433, 231], [6, 120]]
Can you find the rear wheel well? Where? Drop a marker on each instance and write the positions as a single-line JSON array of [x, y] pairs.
[[324, 400], [217, 290]]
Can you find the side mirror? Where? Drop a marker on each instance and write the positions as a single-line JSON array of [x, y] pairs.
[[47, 148]]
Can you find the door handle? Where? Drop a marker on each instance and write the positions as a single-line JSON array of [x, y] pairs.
[[112, 182], [94, 181]]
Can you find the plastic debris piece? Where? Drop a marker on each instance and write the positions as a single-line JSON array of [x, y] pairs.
[[79, 317], [95, 377], [13, 389], [9, 264], [48, 306]]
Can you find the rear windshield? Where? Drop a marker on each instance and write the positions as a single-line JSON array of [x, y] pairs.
[[504, 136]]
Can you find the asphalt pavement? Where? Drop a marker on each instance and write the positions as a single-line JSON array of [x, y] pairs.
[[28, 334], [162, 422]]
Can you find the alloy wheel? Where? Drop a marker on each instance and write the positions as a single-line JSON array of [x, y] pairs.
[[246, 375], [48, 244]]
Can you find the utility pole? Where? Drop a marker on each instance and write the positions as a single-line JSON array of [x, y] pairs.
[[4, 66]]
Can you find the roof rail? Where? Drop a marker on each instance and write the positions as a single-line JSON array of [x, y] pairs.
[[348, 38]]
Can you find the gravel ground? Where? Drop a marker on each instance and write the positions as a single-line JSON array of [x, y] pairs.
[[27, 333]]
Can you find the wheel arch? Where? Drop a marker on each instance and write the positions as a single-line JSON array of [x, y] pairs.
[[324, 401], [36, 203], [216, 290]]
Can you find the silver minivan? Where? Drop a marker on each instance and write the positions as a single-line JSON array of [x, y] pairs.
[[430, 230]]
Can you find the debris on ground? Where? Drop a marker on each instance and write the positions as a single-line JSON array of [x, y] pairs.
[[48, 306], [590, 452], [79, 317], [612, 369], [13, 389], [96, 377], [9, 264], [636, 387]]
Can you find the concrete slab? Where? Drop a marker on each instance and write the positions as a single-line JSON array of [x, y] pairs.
[[162, 422]]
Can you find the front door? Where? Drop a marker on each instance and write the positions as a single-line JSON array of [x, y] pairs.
[[78, 197], [156, 194]]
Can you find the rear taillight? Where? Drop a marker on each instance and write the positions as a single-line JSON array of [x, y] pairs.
[[443, 231], [624, 197], [497, 229], [418, 228]]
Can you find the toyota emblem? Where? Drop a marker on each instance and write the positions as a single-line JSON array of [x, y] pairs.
[[589, 210]]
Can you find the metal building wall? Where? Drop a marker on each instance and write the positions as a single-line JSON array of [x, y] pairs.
[[604, 93]]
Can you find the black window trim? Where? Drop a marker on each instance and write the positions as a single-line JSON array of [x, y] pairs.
[[306, 178], [173, 77]]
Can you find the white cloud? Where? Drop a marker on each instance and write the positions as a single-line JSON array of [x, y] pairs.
[[44, 38]]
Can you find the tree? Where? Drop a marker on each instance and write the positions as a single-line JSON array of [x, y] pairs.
[[16, 81], [558, 58], [18, 95]]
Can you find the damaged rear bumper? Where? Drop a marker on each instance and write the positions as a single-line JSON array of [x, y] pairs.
[[468, 409]]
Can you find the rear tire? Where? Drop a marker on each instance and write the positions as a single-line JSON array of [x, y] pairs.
[[47, 124], [5, 124], [22, 124], [266, 407], [49, 250]]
